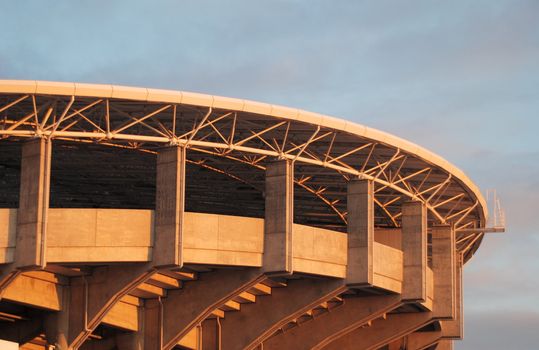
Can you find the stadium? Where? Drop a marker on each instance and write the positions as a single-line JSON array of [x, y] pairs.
[[135, 218]]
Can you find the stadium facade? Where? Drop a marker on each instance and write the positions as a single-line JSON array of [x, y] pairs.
[[136, 218]]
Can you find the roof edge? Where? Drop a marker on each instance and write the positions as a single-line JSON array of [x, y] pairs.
[[241, 105]]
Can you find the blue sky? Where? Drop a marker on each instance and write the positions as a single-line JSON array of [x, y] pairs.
[[458, 77]]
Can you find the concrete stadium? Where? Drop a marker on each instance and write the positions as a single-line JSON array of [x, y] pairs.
[[134, 218]]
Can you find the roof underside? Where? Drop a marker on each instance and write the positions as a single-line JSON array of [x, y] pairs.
[[104, 156]]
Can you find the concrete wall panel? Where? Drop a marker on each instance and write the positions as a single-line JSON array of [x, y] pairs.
[[319, 251], [223, 239], [99, 235], [387, 265]]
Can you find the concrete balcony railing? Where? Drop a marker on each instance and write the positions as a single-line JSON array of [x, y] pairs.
[[125, 235], [319, 251], [387, 267]]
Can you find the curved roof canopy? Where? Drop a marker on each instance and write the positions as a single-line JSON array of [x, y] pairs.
[[235, 138]]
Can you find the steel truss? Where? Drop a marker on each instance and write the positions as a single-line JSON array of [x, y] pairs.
[[228, 142]]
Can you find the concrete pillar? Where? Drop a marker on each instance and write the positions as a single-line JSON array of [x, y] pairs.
[[336, 322], [33, 204], [169, 207], [56, 325], [414, 247], [152, 324], [443, 267], [454, 329], [360, 199], [279, 218], [211, 334]]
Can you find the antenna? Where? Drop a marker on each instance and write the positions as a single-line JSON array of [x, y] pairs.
[[496, 214], [495, 218]]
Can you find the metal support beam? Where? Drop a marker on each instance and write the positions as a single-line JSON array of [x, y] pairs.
[[256, 322]]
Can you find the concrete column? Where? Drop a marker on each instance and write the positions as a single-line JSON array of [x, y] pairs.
[[443, 267], [152, 324], [414, 247], [33, 204], [56, 325], [360, 203], [453, 329], [169, 207], [279, 218], [211, 334]]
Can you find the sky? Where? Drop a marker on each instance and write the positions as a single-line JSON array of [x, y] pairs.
[[460, 78]]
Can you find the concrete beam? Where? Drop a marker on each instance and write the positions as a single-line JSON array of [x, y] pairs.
[[37, 289], [184, 309], [7, 276], [414, 247], [256, 322], [445, 344], [323, 329], [443, 267], [279, 218], [92, 297], [422, 340], [169, 207], [360, 203], [382, 331]]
